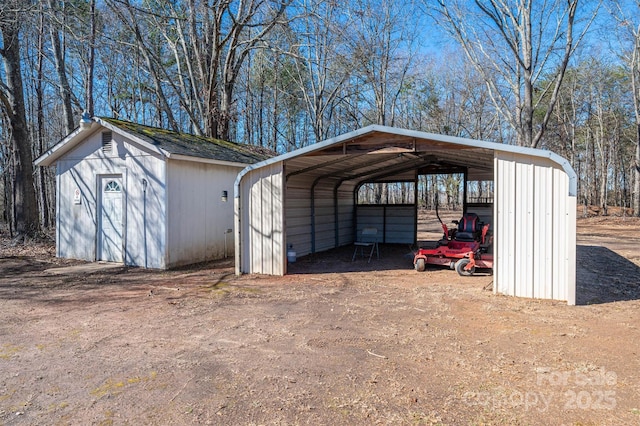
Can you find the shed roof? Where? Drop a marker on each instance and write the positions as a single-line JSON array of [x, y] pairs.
[[168, 143]]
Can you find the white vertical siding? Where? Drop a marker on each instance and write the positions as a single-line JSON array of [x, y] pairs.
[[146, 213], [543, 224], [79, 170], [524, 235], [197, 216], [534, 228], [261, 207], [504, 225], [565, 244], [77, 223]]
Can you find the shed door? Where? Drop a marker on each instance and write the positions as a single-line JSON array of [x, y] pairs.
[[110, 221]]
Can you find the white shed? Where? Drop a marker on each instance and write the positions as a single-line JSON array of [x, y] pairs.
[[145, 196], [307, 198]]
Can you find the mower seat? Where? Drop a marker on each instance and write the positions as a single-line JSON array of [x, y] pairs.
[[468, 227]]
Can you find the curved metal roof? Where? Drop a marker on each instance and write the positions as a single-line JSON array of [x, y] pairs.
[[379, 153]]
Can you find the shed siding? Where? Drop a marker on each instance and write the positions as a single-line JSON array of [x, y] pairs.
[[146, 239], [262, 221], [535, 256], [198, 217], [77, 224]]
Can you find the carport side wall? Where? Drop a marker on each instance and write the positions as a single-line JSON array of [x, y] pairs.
[[77, 223], [395, 223], [261, 238], [311, 221], [199, 219], [534, 232]]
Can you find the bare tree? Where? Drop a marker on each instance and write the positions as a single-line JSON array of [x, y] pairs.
[[12, 103], [55, 28], [627, 16], [321, 69], [513, 45], [153, 60], [207, 44], [89, 97], [382, 38], [40, 125]]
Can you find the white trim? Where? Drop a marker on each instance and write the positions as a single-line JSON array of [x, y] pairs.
[[183, 157], [149, 147], [79, 135], [61, 148]]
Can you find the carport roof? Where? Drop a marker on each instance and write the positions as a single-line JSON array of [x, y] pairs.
[[379, 153]]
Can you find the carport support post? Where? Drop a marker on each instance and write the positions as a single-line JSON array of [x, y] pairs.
[[236, 235], [415, 209], [336, 217], [464, 191], [313, 216]]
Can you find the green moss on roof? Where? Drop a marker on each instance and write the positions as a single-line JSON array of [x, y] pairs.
[[194, 146]]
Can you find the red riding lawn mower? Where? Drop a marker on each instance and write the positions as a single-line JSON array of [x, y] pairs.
[[463, 248]]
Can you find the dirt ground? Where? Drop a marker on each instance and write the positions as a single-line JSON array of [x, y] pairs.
[[374, 343]]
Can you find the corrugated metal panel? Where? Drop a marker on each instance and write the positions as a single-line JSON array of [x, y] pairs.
[[311, 219], [544, 231], [261, 207], [534, 240], [524, 236], [484, 212], [370, 217], [395, 223], [504, 226], [400, 225], [298, 214], [565, 245]]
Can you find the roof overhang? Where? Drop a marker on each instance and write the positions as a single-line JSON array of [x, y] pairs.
[[182, 157], [76, 137]]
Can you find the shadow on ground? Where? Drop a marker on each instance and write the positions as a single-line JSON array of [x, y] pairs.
[[603, 276], [392, 257]]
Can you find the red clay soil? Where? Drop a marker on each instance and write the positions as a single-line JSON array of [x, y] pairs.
[[333, 342]]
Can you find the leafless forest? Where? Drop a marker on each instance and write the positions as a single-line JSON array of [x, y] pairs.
[[558, 75]]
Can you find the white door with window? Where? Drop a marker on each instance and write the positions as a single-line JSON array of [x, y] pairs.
[[110, 223]]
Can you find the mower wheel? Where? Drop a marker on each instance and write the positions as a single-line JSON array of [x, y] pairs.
[[461, 264], [420, 265]]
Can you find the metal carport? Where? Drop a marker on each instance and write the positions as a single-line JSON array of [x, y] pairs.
[[306, 198]]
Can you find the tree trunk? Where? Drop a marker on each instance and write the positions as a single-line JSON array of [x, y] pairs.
[[92, 60], [64, 88], [636, 185], [44, 202], [25, 206]]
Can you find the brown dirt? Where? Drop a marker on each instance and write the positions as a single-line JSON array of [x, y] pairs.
[[334, 342]]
